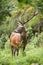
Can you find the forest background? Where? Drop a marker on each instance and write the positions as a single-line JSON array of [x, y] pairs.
[[23, 10]]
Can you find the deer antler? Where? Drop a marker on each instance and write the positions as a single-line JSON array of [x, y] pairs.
[[19, 16], [35, 13]]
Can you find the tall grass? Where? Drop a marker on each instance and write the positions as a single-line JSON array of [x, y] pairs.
[[32, 56]]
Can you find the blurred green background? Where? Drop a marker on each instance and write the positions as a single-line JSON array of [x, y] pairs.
[[10, 10]]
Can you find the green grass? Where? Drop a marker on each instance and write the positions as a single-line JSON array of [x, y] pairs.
[[34, 55]]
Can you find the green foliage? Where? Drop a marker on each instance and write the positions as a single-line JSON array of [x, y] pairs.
[[35, 41], [34, 20], [6, 22], [33, 56], [40, 40], [7, 27], [38, 4], [3, 39], [6, 6], [33, 52]]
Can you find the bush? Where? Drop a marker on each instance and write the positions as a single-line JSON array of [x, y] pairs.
[[3, 39]]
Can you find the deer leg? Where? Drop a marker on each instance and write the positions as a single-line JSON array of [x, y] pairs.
[[24, 43], [24, 40], [12, 50], [24, 47], [17, 51]]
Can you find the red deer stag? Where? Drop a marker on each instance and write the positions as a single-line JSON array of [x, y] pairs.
[[16, 37], [19, 35]]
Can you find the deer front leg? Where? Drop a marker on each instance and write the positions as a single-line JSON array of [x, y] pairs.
[[17, 52], [12, 50]]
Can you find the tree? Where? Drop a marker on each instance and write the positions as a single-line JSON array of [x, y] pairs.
[[6, 6], [6, 20]]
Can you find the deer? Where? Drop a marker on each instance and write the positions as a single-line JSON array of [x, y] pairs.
[[18, 35]]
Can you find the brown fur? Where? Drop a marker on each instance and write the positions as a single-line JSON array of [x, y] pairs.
[[15, 40]]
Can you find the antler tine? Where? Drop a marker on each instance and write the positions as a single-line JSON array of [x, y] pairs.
[[18, 21], [19, 16]]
